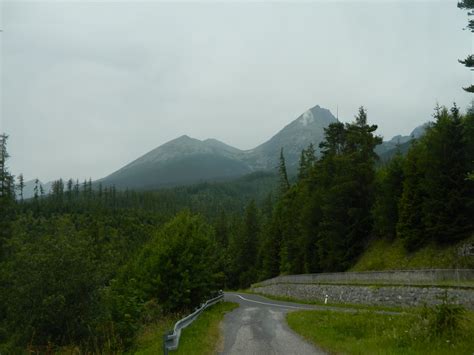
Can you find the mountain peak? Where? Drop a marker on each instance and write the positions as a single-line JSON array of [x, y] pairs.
[[186, 159], [184, 137], [183, 140], [316, 115]]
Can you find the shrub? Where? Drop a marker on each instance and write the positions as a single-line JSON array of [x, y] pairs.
[[445, 318], [178, 267]]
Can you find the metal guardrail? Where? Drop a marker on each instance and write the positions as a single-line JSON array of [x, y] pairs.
[[171, 338]]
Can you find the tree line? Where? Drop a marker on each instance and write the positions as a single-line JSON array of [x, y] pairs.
[[87, 265], [344, 198]]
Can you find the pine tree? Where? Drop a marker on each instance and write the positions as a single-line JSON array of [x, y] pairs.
[[76, 189], [7, 197], [4, 175], [89, 187], [21, 186], [389, 188], [307, 160], [70, 185], [36, 189], [310, 154], [446, 216], [347, 183], [410, 226], [84, 188], [469, 60], [270, 247], [303, 166], [244, 247], [284, 184]]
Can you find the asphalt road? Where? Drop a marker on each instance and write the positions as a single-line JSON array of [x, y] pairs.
[[258, 327]]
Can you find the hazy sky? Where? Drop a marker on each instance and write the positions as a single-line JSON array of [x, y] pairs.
[[89, 86]]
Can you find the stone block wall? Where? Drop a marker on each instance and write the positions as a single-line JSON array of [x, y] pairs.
[[370, 295], [425, 276]]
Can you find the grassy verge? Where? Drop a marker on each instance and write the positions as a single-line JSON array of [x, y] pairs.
[[150, 339], [201, 337], [388, 255], [372, 333]]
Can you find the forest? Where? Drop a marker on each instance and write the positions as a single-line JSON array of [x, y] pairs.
[[87, 266]]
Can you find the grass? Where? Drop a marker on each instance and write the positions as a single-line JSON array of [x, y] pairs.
[[387, 255], [373, 333], [150, 339], [201, 337]]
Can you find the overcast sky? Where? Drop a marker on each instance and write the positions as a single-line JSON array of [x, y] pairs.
[[88, 87]]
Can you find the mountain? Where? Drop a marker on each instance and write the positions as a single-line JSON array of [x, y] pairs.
[[187, 160], [307, 128], [387, 149], [182, 161]]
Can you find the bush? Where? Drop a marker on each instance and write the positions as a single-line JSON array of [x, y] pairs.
[[178, 267], [445, 318]]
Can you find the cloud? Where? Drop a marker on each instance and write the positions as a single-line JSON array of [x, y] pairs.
[[88, 87]]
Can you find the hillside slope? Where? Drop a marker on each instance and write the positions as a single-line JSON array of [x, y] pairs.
[[388, 255]]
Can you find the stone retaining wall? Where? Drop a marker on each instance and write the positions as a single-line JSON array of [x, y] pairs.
[[407, 277], [369, 295]]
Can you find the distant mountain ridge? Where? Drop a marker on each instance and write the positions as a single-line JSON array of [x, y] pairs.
[[388, 148], [186, 160]]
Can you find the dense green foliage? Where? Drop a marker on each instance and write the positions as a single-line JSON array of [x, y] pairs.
[[89, 266], [344, 199], [179, 266], [437, 199], [323, 220]]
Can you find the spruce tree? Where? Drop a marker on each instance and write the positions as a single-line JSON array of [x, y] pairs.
[[7, 197], [21, 186], [410, 226], [284, 183], [469, 60], [389, 188], [346, 174], [36, 189], [70, 185], [76, 189], [4, 175], [248, 243], [446, 216], [307, 160], [303, 166]]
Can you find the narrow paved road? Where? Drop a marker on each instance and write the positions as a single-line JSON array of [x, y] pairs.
[[258, 327]]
